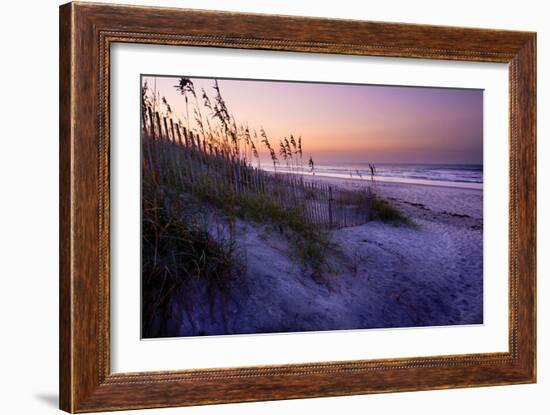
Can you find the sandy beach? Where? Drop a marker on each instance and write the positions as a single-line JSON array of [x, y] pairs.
[[430, 273], [299, 206]]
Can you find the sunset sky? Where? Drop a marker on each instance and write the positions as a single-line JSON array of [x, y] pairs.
[[352, 123]]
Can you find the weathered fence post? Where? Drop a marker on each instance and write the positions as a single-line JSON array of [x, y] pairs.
[[169, 145], [147, 138], [236, 173], [173, 132], [182, 156], [176, 151], [166, 132], [330, 206], [155, 142], [186, 139], [160, 136], [192, 140]]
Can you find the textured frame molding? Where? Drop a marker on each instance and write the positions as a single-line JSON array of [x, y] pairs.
[[86, 33]]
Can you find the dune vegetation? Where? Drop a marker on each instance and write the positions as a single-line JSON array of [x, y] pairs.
[[201, 173]]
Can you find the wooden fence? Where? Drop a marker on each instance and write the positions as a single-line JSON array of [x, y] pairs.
[[171, 153]]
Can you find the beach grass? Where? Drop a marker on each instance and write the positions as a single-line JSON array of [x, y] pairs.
[[385, 212], [177, 248], [198, 180]]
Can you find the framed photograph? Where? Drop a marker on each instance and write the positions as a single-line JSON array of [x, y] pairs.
[[258, 207]]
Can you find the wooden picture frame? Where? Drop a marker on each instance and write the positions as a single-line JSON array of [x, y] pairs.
[[86, 33]]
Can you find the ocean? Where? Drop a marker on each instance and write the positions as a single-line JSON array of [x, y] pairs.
[[455, 175]]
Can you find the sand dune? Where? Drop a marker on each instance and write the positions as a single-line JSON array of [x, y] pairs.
[[381, 275]]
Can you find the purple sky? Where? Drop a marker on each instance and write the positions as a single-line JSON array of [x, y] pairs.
[[353, 123]]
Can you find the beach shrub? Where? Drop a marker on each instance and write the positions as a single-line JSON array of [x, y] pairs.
[[382, 210]]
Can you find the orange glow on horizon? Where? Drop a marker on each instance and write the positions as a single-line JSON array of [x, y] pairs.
[[347, 122]]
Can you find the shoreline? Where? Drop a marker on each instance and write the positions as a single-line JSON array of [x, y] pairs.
[[388, 180], [459, 206], [406, 182]]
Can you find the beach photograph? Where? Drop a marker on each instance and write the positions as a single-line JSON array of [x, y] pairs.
[[276, 206]]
